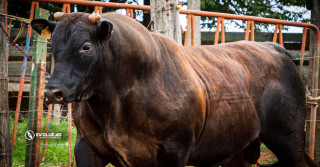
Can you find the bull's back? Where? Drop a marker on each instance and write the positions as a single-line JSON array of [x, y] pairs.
[[235, 75]]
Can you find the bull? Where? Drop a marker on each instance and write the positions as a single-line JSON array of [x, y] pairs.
[[142, 100]]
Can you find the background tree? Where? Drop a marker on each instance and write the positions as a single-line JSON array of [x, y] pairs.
[[291, 10]]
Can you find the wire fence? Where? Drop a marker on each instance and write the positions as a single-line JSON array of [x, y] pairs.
[[58, 134], [54, 139]]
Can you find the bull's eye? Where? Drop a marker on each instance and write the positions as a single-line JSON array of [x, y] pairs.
[[86, 47]]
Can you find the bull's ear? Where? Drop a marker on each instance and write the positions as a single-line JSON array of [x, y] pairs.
[[104, 29], [41, 24]]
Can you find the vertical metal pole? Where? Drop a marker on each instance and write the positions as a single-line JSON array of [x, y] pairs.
[[68, 8], [45, 143], [252, 30], [23, 72], [303, 47], [70, 133], [64, 8], [222, 31], [280, 35], [127, 12], [216, 36], [246, 37], [275, 34], [193, 31], [100, 9], [186, 37]]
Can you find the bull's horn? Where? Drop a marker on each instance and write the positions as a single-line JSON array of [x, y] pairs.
[[94, 18], [57, 15]]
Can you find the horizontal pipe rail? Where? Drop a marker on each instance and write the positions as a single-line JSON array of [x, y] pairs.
[[182, 11]]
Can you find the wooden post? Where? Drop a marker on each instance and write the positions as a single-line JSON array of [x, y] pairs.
[[5, 156], [165, 18], [195, 5], [36, 94], [313, 138]]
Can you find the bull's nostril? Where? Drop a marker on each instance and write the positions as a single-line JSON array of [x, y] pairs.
[[58, 95]]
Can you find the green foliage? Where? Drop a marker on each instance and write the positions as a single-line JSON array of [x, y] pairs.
[[57, 149], [277, 9]]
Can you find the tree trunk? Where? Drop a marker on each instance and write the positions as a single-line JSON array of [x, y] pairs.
[[315, 17], [195, 5], [165, 18], [5, 153]]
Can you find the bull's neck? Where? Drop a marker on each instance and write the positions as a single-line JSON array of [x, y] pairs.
[[133, 57]]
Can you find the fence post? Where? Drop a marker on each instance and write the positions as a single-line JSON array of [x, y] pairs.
[[5, 157], [23, 72], [195, 5], [165, 18], [36, 94]]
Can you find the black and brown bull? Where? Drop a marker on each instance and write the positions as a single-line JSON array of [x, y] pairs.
[[142, 100]]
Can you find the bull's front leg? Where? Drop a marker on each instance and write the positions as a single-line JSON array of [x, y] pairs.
[[86, 156]]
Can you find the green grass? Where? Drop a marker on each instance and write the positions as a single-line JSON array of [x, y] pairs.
[[57, 149], [270, 161]]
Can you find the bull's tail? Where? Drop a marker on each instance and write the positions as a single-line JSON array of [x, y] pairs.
[[309, 161]]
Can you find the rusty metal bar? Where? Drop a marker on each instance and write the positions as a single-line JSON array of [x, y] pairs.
[[252, 30], [182, 11], [23, 72], [280, 35], [303, 47], [44, 148], [246, 37], [186, 37], [96, 3], [216, 36], [222, 31], [192, 28], [68, 8], [129, 12], [275, 34], [70, 133], [64, 8], [97, 9]]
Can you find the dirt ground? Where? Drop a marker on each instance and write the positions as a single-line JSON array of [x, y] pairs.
[[267, 157]]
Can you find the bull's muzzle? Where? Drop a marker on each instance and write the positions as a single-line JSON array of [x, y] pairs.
[[54, 95]]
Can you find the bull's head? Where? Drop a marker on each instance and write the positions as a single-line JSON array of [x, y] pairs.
[[75, 41]]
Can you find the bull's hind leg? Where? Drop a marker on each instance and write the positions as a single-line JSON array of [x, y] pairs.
[[282, 115]]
